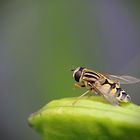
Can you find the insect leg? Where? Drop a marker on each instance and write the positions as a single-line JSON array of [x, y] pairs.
[[91, 92], [85, 83], [78, 85], [81, 96]]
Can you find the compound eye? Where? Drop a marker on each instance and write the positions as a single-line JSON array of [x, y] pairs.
[[77, 75]]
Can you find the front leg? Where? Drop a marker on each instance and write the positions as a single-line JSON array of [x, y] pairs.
[[86, 83], [78, 85]]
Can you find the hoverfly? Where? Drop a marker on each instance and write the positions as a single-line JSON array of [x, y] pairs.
[[103, 84]]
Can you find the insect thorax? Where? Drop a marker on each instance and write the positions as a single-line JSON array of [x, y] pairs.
[[90, 76]]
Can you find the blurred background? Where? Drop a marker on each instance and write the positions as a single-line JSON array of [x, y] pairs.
[[40, 41]]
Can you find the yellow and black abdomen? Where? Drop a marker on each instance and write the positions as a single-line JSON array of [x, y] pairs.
[[122, 96], [113, 89]]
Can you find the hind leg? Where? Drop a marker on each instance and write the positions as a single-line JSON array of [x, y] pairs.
[[90, 93]]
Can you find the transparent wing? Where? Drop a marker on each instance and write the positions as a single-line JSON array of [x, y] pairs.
[[124, 79], [109, 98]]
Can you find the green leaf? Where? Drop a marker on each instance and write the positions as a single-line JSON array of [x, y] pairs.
[[89, 119]]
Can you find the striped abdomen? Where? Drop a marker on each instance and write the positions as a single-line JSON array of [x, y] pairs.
[[114, 90], [122, 96]]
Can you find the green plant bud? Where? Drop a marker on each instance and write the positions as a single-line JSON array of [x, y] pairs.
[[88, 119]]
